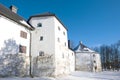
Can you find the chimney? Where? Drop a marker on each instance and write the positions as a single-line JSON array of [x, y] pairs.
[[13, 8]]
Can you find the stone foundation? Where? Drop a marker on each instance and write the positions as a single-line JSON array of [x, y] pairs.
[[43, 66]]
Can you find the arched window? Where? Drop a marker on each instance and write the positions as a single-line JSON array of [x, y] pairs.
[[39, 25]]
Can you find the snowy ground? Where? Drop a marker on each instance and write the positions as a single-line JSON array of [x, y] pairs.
[[78, 75]]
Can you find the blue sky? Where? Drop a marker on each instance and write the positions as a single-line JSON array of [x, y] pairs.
[[94, 22]]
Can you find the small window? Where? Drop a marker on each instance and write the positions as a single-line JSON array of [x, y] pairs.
[[39, 25], [58, 28], [64, 33], [23, 34], [94, 61], [93, 55], [58, 39], [72, 54], [65, 43], [63, 55], [22, 49], [41, 38], [41, 53]]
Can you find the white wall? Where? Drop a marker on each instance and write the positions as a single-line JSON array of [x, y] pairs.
[[84, 61], [47, 31], [64, 59], [11, 30], [88, 61], [98, 62], [72, 60]]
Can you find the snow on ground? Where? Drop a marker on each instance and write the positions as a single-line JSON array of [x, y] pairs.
[[28, 78], [78, 75], [106, 75]]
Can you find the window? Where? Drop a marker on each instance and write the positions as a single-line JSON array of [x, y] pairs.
[[41, 38], [58, 39], [63, 55], [23, 34], [65, 43], [93, 55], [72, 54], [22, 49], [41, 53], [94, 61], [64, 33], [39, 25], [58, 28]]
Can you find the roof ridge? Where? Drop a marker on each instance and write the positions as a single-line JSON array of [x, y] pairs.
[[44, 14]]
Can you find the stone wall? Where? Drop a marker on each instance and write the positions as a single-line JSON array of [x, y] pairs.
[[43, 66], [14, 65]]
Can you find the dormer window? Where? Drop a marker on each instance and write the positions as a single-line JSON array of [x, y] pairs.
[[39, 25]]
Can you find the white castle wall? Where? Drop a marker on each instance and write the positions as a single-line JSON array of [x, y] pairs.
[[10, 30]]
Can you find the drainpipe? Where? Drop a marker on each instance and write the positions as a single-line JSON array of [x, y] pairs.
[[30, 57]]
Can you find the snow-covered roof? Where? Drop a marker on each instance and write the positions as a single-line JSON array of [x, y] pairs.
[[82, 48]]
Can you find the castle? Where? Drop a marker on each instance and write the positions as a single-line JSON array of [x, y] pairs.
[[36, 47]]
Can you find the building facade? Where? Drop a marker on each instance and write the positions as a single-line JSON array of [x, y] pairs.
[[42, 46], [14, 31], [14, 43], [50, 38], [43, 38], [87, 59]]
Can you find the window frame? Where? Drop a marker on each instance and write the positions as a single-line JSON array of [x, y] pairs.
[[23, 34]]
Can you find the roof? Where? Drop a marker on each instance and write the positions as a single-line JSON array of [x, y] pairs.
[[13, 16], [46, 15], [82, 48]]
